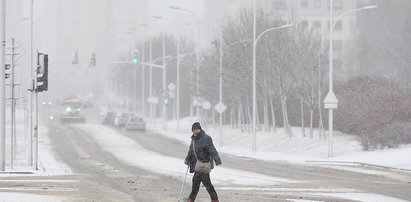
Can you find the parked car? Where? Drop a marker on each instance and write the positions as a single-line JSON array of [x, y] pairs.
[[108, 118], [136, 123], [121, 119]]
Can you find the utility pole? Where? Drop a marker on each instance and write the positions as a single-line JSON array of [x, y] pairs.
[[221, 85], [143, 76], [30, 94], [12, 105], [151, 81], [164, 85], [2, 86]]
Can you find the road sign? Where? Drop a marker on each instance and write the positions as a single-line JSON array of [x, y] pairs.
[[171, 94], [330, 101], [206, 105], [153, 100], [198, 101], [171, 86], [220, 107]]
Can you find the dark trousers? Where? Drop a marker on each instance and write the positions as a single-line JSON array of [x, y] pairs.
[[205, 179]]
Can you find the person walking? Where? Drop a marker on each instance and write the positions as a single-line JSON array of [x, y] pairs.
[[201, 149]]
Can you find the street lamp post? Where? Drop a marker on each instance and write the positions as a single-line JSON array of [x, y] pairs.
[[2, 88], [151, 106], [331, 101], [164, 75], [143, 76], [255, 41], [196, 39], [164, 84], [222, 51], [178, 74]]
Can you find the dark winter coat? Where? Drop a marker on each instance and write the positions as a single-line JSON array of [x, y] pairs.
[[205, 151]]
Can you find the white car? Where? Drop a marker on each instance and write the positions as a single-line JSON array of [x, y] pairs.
[[136, 123]]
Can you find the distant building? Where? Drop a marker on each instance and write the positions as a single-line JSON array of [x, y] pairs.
[[108, 28], [312, 14]]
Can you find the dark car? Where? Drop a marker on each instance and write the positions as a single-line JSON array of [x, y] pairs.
[[108, 118]]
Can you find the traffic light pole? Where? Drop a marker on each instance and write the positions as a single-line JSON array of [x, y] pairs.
[[36, 139], [2, 86], [12, 106], [36, 123]]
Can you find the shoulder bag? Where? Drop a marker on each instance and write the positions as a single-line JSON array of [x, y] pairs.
[[201, 167]]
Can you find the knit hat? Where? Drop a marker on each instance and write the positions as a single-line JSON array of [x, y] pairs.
[[196, 125]]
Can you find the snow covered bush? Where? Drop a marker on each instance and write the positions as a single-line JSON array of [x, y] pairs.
[[369, 106]]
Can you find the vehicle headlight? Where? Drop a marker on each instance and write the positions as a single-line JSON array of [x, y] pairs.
[[68, 109], [51, 117], [78, 109]]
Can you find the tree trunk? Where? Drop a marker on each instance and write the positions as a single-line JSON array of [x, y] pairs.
[[320, 122], [273, 115], [311, 122], [258, 124], [243, 118], [302, 118], [250, 119], [231, 118], [239, 122], [289, 131], [266, 126], [284, 114], [312, 107]]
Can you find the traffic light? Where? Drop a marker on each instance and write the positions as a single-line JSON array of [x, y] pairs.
[[166, 99], [7, 75], [92, 62], [42, 72], [134, 56]]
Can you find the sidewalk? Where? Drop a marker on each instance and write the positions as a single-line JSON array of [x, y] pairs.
[[297, 149]]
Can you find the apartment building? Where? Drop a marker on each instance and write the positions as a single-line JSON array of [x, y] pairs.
[[314, 15]]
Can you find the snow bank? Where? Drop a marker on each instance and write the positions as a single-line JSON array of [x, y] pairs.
[[280, 147]]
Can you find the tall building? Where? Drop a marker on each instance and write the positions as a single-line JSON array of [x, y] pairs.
[[315, 16], [106, 28]]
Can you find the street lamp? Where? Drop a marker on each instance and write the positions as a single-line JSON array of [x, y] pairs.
[[178, 73], [331, 101], [255, 41], [15, 25], [222, 51], [150, 72], [197, 40]]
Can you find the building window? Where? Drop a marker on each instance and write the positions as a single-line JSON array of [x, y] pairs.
[[337, 63], [338, 26], [317, 3], [279, 5], [304, 4], [337, 4], [304, 24], [337, 45], [317, 24]]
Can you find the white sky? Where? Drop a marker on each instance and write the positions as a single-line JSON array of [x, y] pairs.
[[161, 8]]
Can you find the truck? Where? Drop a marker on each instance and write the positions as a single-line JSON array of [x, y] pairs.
[[71, 111]]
